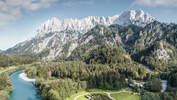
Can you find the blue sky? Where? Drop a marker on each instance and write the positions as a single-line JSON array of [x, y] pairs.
[[20, 18]]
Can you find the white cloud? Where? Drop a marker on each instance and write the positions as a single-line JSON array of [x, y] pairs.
[[155, 3], [11, 10], [77, 2]]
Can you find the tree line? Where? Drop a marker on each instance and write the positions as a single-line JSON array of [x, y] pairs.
[[9, 60]]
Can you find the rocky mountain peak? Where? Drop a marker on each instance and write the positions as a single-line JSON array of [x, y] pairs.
[[136, 17], [55, 36]]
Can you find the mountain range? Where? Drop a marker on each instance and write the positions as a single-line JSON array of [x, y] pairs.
[[54, 35], [145, 39]]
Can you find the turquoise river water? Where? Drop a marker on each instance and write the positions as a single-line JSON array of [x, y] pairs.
[[23, 90]]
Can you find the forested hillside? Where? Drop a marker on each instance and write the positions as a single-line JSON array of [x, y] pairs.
[[113, 58], [106, 68], [153, 45], [5, 86]]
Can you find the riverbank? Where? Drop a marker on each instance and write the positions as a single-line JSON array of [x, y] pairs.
[[5, 83]]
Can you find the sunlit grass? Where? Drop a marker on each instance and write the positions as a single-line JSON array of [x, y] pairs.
[[83, 93], [125, 96]]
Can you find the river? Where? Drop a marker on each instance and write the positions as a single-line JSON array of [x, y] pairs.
[[23, 90]]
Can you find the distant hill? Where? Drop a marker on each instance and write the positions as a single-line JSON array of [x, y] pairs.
[[1, 51]]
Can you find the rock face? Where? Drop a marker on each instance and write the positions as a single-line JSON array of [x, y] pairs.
[[60, 37], [136, 17]]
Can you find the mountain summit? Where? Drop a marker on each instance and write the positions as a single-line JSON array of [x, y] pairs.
[[136, 17], [55, 36]]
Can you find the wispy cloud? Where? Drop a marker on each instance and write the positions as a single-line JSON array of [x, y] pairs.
[[156, 3], [11, 10], [77, 2]]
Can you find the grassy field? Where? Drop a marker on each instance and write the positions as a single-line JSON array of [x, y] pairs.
[[77, 94], [116, 96], [125, 96], [82, 95]]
